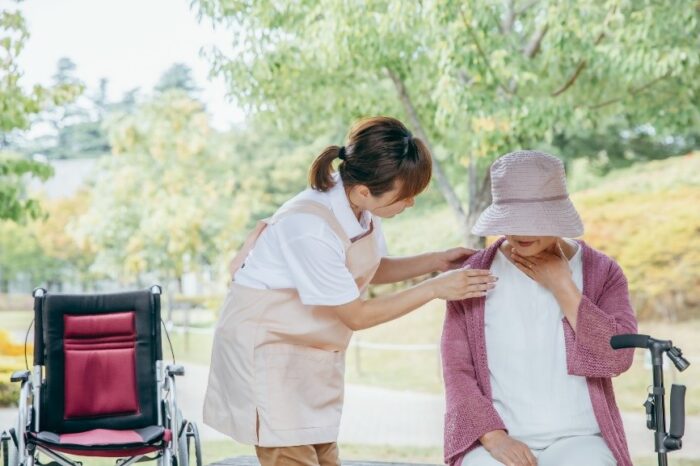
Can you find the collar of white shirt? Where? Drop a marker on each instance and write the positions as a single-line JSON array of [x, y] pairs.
[[340, 204]]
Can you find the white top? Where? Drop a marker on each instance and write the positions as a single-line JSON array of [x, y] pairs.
[[301, 251], [537, 399]]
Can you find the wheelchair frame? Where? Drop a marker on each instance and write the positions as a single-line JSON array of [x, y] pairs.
[[175, 452]]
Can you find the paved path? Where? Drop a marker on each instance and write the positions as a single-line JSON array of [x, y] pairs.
[[376, 416]]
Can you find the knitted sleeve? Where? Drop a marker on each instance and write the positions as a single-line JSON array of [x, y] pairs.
[[588, 351], [469, 414]]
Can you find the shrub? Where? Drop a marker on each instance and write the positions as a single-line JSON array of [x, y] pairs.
[[648, 221]]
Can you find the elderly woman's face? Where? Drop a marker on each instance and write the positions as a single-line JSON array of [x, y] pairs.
[[531, 245]]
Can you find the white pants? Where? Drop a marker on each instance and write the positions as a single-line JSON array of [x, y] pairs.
[[588, 450]]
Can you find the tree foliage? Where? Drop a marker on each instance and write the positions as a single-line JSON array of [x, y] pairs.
[[178, 76], [647, 219], [475, 79], [17, 108], [164, 201]]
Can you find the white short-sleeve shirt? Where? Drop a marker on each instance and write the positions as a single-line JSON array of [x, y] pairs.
[[301, 251], [532, 390]]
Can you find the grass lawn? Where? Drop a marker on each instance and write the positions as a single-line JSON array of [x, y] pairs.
[[420, 370], [16, 321]]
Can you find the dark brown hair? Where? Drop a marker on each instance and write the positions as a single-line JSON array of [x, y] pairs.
[[380, 151]]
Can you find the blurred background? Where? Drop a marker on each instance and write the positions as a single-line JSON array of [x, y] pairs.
[[140, 141]]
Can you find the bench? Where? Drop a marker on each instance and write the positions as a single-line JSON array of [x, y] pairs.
[[253, 461]]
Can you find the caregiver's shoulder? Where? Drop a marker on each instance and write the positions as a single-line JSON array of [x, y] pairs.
[[303, 225]]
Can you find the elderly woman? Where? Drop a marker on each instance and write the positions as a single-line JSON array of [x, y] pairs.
[[528, 367]]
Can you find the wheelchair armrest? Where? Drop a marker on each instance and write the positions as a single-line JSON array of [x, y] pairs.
[[175, 369], [20, 376]]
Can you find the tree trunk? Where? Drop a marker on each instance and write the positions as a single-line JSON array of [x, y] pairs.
[[4, 282], [479, 199], [438, 173]]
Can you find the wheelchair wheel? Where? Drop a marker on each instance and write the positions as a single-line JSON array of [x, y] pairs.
[[193, 434], [179, 430], [10, 455], [182, 454]]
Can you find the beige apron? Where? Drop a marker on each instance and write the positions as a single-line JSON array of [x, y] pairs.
[[279, 360]]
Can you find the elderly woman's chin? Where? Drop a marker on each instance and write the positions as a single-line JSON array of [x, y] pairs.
[[531, 245]]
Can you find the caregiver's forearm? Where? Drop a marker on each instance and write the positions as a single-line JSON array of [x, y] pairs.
[[359, 314], [397, 269]]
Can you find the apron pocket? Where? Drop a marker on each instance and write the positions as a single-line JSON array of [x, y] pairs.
[[302, 387]]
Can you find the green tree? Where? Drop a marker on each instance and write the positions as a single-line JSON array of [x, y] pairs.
[[473, 79], [46, 249], [165, 202], [76, 129], [21, 254], [178, 76], [128, 102], [18, 107]]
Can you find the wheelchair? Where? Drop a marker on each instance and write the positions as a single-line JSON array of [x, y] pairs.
[[98, 386]]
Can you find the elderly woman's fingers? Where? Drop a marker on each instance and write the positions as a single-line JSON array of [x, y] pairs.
[[531, 460], [526, 270], [527, 262], [560, 251], [524, 456]]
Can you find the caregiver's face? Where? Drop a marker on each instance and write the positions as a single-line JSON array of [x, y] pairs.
[[386, 205], [531, 245]]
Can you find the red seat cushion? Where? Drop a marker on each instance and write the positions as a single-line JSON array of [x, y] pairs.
[[105, 442]]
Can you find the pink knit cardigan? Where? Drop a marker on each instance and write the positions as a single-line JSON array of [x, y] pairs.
[[604, 311]]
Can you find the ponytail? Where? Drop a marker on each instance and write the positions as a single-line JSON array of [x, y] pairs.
[[321, 173], [378, 153]]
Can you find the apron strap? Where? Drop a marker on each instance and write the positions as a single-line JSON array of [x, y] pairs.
[[313, 208], [297, 207], [248, 244]]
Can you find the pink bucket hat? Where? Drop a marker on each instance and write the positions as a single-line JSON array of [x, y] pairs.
[[529, 198]]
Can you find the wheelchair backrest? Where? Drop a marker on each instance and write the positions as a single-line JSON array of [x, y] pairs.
[[99, 353]]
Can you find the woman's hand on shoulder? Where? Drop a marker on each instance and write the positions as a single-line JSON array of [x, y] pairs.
[[451, 259], [463, 283]]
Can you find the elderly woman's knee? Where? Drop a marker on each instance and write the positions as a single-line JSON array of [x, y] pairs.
[[589, 450], [479, 457]]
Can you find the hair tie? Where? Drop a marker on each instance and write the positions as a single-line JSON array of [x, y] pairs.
[[341, 153], [406, 141]]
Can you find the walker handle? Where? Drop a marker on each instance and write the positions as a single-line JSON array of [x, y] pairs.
[[630, 340], [677, 428]]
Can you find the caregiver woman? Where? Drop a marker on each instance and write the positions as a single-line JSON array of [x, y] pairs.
[[276, 378]]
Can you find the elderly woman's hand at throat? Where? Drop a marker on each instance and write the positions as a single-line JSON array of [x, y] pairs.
[[550, 268]]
